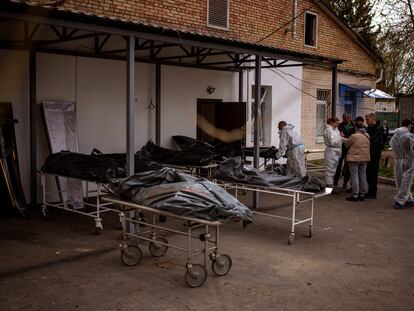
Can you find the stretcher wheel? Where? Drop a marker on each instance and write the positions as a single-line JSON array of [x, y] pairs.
[[195, 276], [162, 218], [310, 231], [291, 239], [156, 249], [221, 265], [131, 255], [97, 230], [45, 213]]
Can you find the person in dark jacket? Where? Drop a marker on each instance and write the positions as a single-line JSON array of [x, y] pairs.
[[375, 133], [346, 128], [385, 132]]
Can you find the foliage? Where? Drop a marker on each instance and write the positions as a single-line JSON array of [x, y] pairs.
[[387, 172], [358, 14]]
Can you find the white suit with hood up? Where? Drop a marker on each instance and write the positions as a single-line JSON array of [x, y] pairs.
[[333, 141], [402, 143], [291, 146]]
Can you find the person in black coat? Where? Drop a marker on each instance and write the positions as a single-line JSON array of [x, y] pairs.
[[376, 135], [385, 132]]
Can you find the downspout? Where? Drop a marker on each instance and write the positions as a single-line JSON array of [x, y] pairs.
[[294, 14], [380, 77]]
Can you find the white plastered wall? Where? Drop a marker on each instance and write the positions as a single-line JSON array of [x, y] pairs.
[[286, 98], [98, 87]]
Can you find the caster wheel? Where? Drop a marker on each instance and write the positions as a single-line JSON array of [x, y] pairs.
[[45, 213], [291, 239], [310, 234], [221, 265], [97, 230], [156, 249], [162, 218], [195, 276], [131, 255]]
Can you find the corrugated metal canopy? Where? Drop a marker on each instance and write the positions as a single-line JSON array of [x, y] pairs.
[[369, 92]]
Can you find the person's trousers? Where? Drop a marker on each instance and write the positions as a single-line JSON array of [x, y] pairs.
[[358, 171], [342, 167], [332, 156], [404, 174], [372, 176]]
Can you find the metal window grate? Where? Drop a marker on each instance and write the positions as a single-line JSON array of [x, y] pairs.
[[218, 14], [322, 111]]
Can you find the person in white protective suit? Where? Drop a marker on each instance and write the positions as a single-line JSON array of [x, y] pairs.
[[333, 141], [402, 143], [291, 147]]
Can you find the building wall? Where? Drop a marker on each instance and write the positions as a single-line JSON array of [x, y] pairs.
[[249, 21], [98, 88], [322, 79]]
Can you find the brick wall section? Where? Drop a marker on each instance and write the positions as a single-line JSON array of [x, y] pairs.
[[250, 21], [323, 79]]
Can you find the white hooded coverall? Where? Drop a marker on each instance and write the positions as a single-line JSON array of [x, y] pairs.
[[402, 143], [291, 145], [333, 141]]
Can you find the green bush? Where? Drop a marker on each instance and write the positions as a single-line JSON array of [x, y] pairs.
[[387, 172]]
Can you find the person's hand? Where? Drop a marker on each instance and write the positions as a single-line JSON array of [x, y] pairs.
[[342, 134]]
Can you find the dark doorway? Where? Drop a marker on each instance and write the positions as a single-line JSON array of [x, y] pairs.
[[223, 115]]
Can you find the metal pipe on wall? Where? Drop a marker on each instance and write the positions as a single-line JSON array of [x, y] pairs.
[[130, 105], [158, 104], [257, 97], [33, 127], [334, 88]]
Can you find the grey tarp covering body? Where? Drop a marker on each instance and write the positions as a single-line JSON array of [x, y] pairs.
[[333, 142], [182, 194], [233, 170], [61, 127], [402, 143], [291, 146]]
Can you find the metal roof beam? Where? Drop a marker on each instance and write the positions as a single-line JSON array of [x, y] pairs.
[[127, 30]]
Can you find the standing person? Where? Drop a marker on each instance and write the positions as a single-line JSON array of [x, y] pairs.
[[333, 141], [357, 157], [291, 147], [375, 133], [346, 128], [402, 144], [385, 132]]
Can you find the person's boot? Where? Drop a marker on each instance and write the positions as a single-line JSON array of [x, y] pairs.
[[352, 198]]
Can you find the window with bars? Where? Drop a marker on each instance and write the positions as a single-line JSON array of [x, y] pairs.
[[218, 14], [322, 111]]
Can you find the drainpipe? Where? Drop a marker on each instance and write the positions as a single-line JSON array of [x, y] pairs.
[[294, 14], [380, 77]]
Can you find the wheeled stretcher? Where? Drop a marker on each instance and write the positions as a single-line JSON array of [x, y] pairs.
[[95, 209], [299, 198], [196, 229]]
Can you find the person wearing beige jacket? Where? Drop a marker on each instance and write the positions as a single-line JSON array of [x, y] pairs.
[[358, 156]]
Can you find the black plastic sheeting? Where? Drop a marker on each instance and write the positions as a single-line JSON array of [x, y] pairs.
[[168, 156], [219, 152], [182, 194], [96, 167], [233, 170]]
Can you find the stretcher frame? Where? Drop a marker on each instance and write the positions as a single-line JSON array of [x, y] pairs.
[[97, 208], [194, 170], [131, 254], [298, 197]]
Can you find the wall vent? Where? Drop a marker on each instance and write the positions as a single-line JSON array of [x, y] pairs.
[[218, 14]]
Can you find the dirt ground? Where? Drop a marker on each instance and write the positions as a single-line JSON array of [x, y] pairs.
[[361, 257]]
